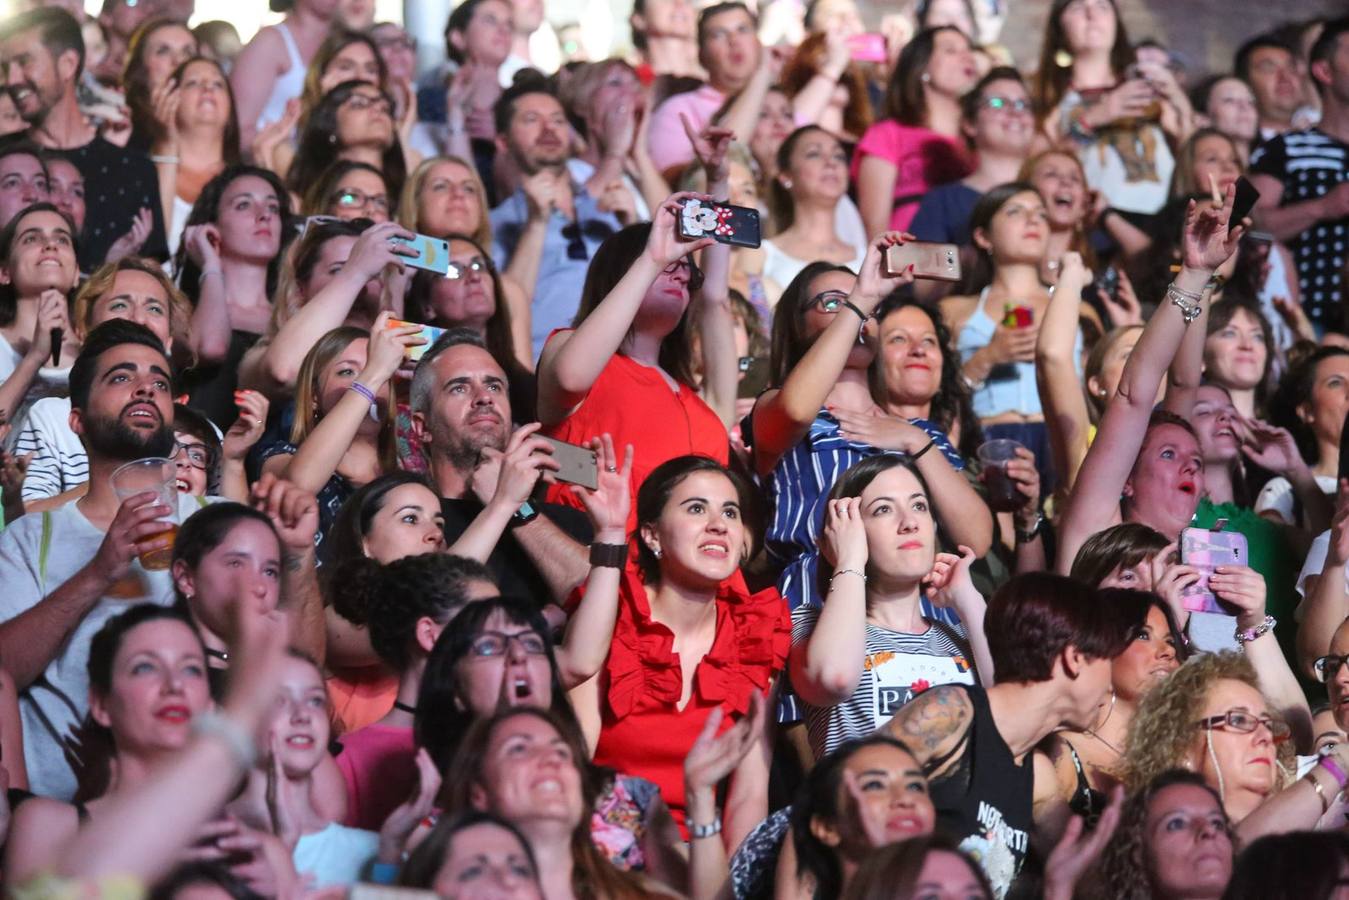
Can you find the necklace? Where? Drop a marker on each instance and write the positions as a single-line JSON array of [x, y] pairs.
[[1092, 732]]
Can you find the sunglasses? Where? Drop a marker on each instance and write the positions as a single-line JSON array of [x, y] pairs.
[[591, 228]]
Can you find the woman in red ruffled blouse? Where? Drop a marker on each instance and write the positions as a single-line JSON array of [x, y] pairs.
[[688, 641]]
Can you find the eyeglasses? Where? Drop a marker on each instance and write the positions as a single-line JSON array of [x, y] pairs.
[[198, 456], [490, 644], [1327, 667], [1245, 723], [1002, 103], [591, 228], [829, 302], [477, 264], [353, 198], [400, 42], [364, 101], [687, 264]]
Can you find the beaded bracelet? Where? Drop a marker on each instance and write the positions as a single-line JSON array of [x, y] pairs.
[[363, 391], [861, 575]]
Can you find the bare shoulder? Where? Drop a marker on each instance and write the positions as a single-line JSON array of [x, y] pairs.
[[955, 310], [933, 722]]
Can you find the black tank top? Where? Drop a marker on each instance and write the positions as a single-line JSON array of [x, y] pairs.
[[984, 800]]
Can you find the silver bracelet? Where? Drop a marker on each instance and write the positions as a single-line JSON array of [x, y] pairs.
[[239, 742], [704, 831], [165, 160], [1245, 636], [861, 575], [1186, 302]]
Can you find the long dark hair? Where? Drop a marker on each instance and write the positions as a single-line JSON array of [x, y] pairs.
[[981, 218], [1052, 79], [608, 266], [1305, 865], [818, 798], [207, 529], [9, 294], [317, 144], [1135, 606], [229, 142], [894, 870], [1295, 390], [789, 341], [905, 101], [951, 404], [135, 79], [207, 210], [780, 201], [659, 485], [352, 524], [426, 861]]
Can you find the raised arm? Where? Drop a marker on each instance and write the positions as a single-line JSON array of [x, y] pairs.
[[590, 630], [1094, 501], [1061, 396], [211, 315], [826, 664], [812, 100], [721, 373], [876, 179], [329, 308], [742, 116], [1326, 604], [295, 514], [319, 454], [950, 586], [51, 313], [933, 723], [571, 362], [782, 417], [255, 72]]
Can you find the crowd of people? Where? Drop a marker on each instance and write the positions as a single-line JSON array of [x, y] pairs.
[[395, 492]]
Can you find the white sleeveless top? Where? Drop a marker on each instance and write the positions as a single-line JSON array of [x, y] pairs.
[[289, 85]]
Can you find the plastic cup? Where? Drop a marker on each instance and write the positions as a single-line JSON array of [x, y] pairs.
[[994, 455], [159, 476]]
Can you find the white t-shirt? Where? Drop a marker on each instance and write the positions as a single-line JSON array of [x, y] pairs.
[[1277, 495], [34, 562], [1314, 564], [335, 856], [59, 462]]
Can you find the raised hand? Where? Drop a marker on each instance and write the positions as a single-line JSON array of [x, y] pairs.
[[710, 146], [1206, 242], [405, 818], [387, 349], [131, 243], [949, 581], [1337, 554], [714, 756], [1268, 446], [609, 503], [1242, 587], [248, 427], [1077, 851], [1011, 345], [873, 284], [281, 799], [52, 312], [164, 103], [843, 544], [664, 245], [203, 245], [1170, 580], [293, 510], [1124, 307], [377, 248], [513, 473], [1023, 473]]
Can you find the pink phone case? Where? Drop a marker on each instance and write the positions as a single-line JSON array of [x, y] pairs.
[[867, 48], [1206, 550]]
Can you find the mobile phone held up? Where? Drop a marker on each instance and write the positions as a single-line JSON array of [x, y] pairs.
[[576, 465], [433, 254], [937, 262], [1243, 203], [429, 332], [867, 48], [727, 224], [1206, 550]]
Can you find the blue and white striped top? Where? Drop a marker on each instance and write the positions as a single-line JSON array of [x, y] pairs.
[[798, 489]]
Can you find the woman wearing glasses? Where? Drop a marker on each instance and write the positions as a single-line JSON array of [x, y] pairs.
[[353, 121], [824, 342], [349, 190], [1211, 716]]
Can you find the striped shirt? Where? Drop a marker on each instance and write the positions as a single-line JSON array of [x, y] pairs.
[[898, 667], [1310, 164], [59, 462]]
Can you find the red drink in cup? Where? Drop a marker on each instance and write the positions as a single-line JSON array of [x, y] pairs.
[[994, 455]]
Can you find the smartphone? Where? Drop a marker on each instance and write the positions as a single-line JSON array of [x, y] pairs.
[[727, 224], [1206, 550], [1109, 282], [1243, 203], [754, 381], [576, 465], [1017, 316], [432, 254], [867, 48], [429, 332], [937, 262]]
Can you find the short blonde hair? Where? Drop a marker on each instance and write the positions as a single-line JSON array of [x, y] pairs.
[[408, 205], [1163, 730], [99, 283]]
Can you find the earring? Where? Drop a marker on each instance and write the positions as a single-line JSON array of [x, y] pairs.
[[332, 139], [925, 78], [656, 551], [787, 183], [1063, 59]]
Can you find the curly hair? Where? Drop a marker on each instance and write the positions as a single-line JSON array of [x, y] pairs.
[[1162, 732], [1122, 872]]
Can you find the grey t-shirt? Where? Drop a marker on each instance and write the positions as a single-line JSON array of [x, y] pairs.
[[54, 707]]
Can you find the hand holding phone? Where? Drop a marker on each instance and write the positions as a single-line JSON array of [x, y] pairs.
[[937, 262], [867, 48], [1245, 201], [428, 333], [1205, 550], [724, 223]]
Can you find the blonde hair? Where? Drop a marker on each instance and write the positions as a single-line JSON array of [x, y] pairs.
[[409, 207], [308, 389], [101, 282], [1163, 733]]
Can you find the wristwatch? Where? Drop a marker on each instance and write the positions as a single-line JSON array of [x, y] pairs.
[[611, 556], [524, 515], [1028, 535]]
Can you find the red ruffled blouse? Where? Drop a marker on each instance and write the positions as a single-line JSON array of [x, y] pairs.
[[643, 732]]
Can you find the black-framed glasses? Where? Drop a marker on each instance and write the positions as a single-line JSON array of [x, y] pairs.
[[1327, 667], [999, 104], [489, 644], [829, 302], [591, 228], [695, 273], [455, 271], [198, 456], [400, 41], [1245, 723], [355, 198], [364, 101]]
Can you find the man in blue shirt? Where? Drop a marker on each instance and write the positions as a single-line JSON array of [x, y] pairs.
[[545, 233]]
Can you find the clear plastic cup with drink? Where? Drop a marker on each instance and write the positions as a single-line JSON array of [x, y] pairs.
[[158, 476], [994, 455]]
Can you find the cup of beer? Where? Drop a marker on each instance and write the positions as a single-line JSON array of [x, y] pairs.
[[159, 476]]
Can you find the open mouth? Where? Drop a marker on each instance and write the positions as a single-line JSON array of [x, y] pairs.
[[143, 413], [904, 825], [182, 486], [1186, 487], [521, 690], [715, 548], [174, 715], [300, 741]]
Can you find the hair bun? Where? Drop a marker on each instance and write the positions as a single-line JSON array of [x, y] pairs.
[[353, 588]]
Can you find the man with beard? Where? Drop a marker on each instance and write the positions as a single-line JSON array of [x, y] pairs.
[[66, 572], [545, 233], [486, 475], [42, 54]]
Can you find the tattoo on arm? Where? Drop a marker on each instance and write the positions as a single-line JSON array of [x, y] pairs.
[[930, 720]]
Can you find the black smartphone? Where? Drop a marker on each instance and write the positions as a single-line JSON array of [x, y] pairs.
[[1243, 203], [727, 224], [754, 380]]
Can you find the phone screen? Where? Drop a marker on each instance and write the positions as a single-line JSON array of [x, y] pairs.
[[1243, 203]]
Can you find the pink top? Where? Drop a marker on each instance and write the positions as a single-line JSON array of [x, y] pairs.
[[378, 764], [669, 145], [923, 158]]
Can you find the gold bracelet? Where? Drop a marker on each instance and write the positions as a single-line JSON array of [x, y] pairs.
[[1320, 792]]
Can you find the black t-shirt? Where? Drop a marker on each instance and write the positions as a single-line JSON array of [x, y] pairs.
[[1310, 164], [117, 184], [512, 568]]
